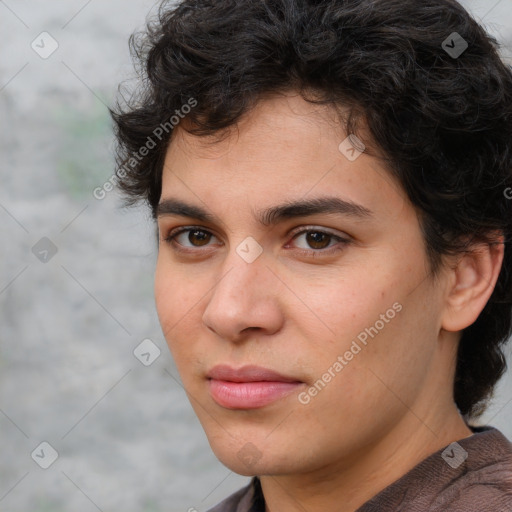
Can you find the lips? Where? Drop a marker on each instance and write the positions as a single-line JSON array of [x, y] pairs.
[[249, 387], [247, 374]]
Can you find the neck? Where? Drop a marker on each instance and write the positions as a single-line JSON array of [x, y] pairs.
[[345, 485]]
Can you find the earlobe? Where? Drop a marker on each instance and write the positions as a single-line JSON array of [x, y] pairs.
[[473, 280]]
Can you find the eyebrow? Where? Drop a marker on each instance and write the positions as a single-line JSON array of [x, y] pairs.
[[274, 214]]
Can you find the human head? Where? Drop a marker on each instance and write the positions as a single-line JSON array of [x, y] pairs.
[[441, 125]]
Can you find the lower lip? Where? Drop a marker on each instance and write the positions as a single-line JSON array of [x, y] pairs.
[[249, 395]]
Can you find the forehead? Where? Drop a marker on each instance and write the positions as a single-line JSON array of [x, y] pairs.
[[284, 117], [284, 149]]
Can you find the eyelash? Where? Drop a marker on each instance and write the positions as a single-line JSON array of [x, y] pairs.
[[312, 253]]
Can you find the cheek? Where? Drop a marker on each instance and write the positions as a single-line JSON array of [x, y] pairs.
[[176, 293], [173, 302], [345, 302], [385, 359], [374, 322], [178, 298], [165, 297]]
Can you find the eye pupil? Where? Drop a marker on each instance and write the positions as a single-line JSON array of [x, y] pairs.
[[316, 238], [202, 236]]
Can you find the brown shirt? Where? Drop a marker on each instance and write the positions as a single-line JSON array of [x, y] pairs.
[[472, 475]]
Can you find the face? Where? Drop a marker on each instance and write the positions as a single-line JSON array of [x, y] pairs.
[[294, 328]]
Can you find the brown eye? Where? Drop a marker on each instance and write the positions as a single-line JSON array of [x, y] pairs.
[[318, 243], [318, 240], [189, 238], [201, 237]]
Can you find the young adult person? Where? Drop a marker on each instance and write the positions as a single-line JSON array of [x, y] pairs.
[[332, 182]]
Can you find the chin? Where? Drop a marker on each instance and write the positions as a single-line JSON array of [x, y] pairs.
[[247, 459], [243, 458], [250, 468]]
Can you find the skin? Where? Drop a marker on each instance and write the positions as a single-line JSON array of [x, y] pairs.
[[391, 405]]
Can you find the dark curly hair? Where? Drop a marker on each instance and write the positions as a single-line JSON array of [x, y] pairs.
[[442, 122]]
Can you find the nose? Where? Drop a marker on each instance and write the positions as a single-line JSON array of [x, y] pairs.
[[244, 300]]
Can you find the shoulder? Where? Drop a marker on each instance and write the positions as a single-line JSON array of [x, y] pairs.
[[471, 475], [485, 481], [240, 501]]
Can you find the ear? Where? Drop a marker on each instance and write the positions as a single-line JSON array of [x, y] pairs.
[[471, 283]]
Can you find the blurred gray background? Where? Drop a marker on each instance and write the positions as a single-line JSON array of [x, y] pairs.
[[76, 283]]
